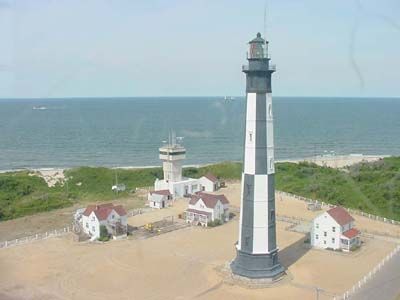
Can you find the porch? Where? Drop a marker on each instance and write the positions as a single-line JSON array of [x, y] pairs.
[[197, 217]]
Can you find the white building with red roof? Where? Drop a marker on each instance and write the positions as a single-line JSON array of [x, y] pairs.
[[334, 229], [112, 216], [209, 183], [204, 208], [160, 199]]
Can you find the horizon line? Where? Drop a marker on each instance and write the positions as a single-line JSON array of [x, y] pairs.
[[191, 96]]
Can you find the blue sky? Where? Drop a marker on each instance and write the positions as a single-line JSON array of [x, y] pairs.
[[105, 48]]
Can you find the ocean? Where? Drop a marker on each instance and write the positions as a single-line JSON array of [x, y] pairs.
[[128, 131]]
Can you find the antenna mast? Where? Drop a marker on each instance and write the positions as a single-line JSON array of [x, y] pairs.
[[265, 19]]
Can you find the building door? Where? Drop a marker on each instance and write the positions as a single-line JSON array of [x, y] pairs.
[[186, 190], [163, 204]]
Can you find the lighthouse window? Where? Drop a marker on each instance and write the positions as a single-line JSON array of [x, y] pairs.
[[272, 215], [250, 136], [270, 110]]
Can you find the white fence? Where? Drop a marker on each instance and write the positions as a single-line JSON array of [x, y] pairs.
[[367, 277], [39, 236], [138, 211], [58, 232], [350, 210]]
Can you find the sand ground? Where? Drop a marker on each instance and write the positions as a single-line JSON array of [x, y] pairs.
[[182, 264], [339, 161]]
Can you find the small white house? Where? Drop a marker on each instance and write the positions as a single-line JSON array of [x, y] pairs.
[[113, 217], [334, 229], [182, 188], [204, 208], [160, 199], [209, 183]]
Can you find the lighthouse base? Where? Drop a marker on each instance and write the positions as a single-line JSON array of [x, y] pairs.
[[257, 266]]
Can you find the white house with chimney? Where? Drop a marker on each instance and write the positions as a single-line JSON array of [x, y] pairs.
[[209, 183], [334, 229], [109, 215], [160, 199], [204, 208]]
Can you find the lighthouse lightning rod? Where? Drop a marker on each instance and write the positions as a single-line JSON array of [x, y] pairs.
[[265, 20]]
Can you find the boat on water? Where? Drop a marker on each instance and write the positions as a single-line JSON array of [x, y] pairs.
[[39, 108]]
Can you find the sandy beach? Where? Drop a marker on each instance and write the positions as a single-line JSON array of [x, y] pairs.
[[183, 264]]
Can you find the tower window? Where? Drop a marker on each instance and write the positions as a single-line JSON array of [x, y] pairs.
[[272, 215], [270, 110], [251, 136]]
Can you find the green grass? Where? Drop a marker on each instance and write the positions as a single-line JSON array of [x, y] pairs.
[[225, 170], [21, 194], [370, 187]]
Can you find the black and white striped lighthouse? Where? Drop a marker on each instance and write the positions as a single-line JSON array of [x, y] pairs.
[[257, 252]]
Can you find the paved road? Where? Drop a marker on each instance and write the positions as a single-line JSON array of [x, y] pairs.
[[385, 285]]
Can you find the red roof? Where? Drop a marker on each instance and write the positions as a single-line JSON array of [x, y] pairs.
[[211, 177], [340, 215], [102, 211], [351, 233], [161, 192], [209, 200], [91, 208], [120, 210]]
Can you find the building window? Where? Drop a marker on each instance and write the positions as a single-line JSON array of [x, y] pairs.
[[324, 242], [112, 216], [333, 240], [316, 236], [93, 229], [272, 215], [250, 136], [87, 225], [325, 233], [317, 226], [270, 110], [333, 229], [271, 164]]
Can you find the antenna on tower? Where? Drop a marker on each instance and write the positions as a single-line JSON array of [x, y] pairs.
[[265, 20]]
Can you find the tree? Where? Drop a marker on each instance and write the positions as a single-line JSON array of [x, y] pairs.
[[104, 236]]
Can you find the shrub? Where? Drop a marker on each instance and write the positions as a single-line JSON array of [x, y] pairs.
[[104, 236], [214, 223]]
